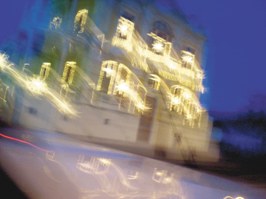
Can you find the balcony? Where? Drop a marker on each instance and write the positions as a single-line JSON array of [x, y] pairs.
[[159, 57]]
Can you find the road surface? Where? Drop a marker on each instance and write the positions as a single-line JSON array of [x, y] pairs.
[[52, 165]]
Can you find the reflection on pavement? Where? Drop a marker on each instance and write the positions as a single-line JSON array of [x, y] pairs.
[[74, 169]]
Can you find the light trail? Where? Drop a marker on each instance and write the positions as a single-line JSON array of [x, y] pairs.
[[23, 142], [36, 86]]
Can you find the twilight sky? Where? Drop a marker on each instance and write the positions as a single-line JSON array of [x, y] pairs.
[[235, 62], [236, 49]]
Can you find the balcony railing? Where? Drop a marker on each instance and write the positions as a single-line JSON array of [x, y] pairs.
[[168, 63]]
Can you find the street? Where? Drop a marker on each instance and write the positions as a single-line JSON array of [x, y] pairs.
[[51, 165]]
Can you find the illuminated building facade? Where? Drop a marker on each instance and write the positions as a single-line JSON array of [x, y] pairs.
[[119, 70]]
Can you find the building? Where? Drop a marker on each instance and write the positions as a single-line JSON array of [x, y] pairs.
[[122, 70]]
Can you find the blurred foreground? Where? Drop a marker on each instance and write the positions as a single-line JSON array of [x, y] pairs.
[[52, 165]]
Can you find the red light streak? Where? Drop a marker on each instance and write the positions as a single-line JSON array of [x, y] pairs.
[[24, 142]]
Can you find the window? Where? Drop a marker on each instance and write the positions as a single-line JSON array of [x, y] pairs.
[[187, 59], [159, 45], [107, 77], [128, 16], [55, 23], [162, 30], [160, 38], [80, 20], [125, 28], [45, 70], [175, 99], [118, 80], [124, 34], [190, 49], [122, 85], [69, 71], [154, 81]]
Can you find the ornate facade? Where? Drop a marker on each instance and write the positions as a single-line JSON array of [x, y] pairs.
[[119, 70]]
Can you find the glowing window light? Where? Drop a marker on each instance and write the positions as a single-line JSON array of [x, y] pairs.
[[81, 20], [109, 71], [123, 86], [36, 86], [187, 95], [69, 71], [187, 57], [123, 37], [120, 84], [45, 69], [155, 81], [4, 63], [175, 100], [140, 106], [158, 47], [123, 30]]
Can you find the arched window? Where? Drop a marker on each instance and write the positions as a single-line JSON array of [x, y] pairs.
[[80, 20], [107, 77], [118, 80], [122, 80], [175, 104], [160, 38], [162, 30], [128, 16]]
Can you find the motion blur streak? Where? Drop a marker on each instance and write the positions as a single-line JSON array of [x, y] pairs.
[[36, 86], [24, 142]]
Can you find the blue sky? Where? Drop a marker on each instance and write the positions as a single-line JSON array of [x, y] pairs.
[[236, 40], [235, 63]]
